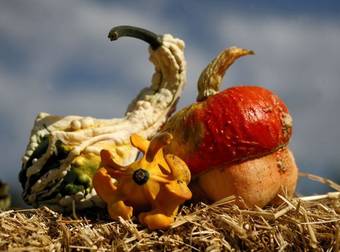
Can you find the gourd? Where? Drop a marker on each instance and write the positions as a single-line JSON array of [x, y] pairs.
[[234, 141], [5, 197], [63, 152], [152, 187]]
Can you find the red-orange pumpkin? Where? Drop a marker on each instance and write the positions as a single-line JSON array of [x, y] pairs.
[[234, 141]]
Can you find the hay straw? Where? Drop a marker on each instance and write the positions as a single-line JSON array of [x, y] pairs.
[[322, 180], [298, 224]]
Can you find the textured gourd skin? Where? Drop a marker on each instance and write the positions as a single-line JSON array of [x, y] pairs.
[[63, 152], [261, 179], [236, 124]]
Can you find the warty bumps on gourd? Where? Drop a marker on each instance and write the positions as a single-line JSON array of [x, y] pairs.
[[234, 141], [63, 152]]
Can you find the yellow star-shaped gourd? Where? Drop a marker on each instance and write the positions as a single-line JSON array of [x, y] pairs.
[[153, 187]]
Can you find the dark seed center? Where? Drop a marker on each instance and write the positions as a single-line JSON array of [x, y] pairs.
[[140, 176]]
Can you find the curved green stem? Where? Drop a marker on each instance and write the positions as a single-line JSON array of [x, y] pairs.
[[211, 77], [153, 39]]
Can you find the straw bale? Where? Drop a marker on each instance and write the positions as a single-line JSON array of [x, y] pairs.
[[298, 224]]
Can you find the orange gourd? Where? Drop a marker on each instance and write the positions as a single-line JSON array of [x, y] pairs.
[[152, 187]]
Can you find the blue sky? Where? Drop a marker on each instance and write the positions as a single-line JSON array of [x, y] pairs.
[[55, 57]]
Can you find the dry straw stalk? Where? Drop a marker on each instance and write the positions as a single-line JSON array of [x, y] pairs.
[[298, 224]]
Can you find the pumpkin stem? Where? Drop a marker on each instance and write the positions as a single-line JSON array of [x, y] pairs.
[[153, 39], [211, 77]]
